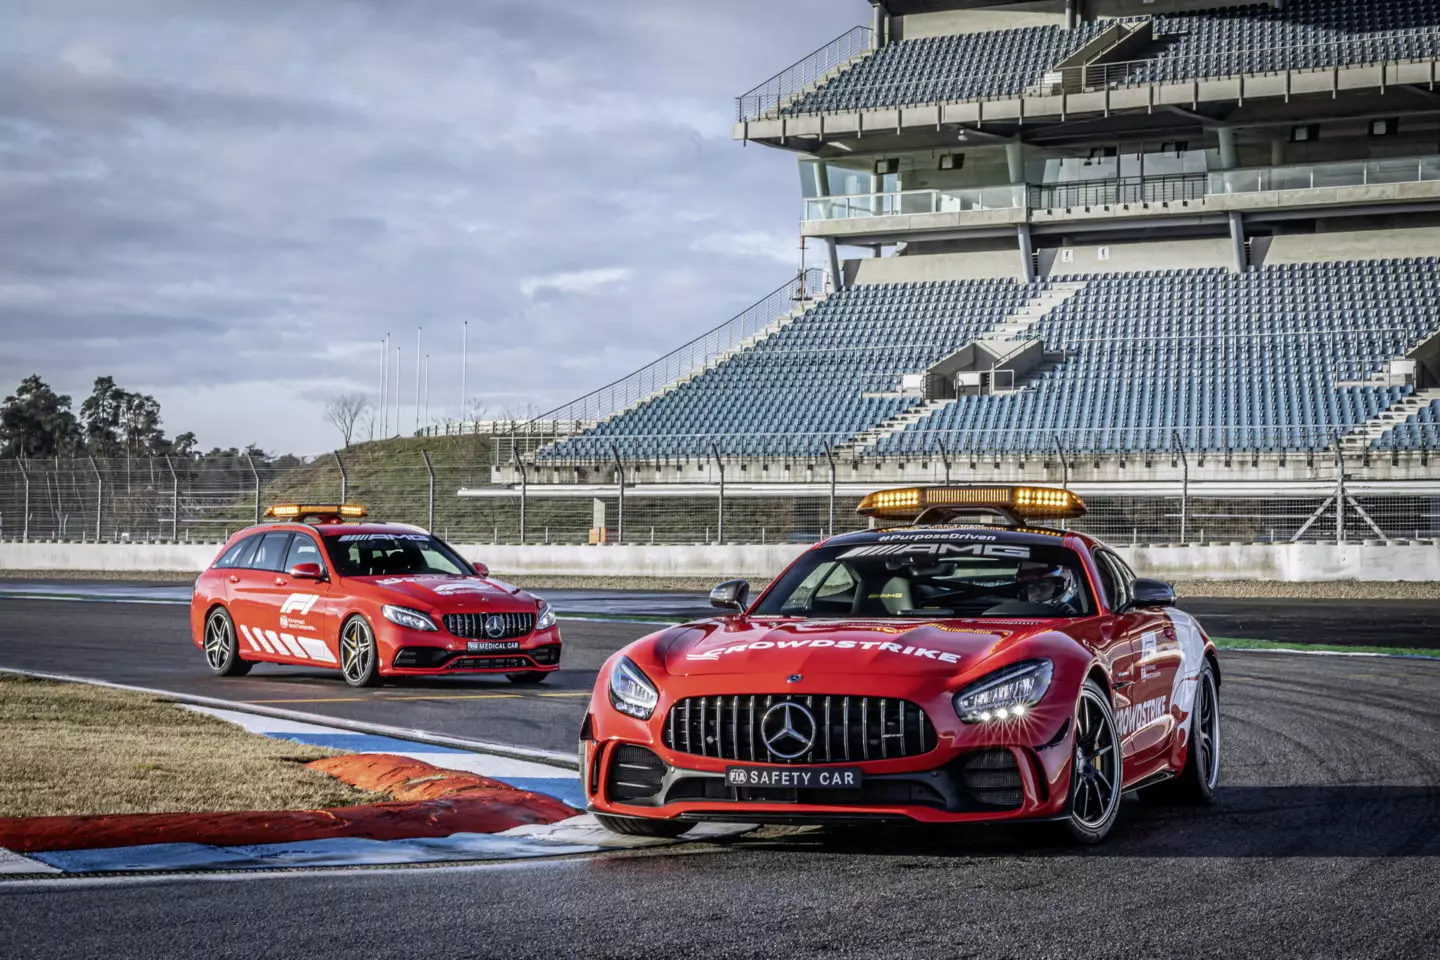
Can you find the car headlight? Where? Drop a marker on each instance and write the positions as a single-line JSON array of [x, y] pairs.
[[546, 618], [631, 692], [406, 617], [1005, 694]]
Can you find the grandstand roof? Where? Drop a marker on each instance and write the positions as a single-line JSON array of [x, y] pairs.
[[901, 8]]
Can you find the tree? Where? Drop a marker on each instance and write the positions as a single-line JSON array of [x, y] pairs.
[[185, 445], [119, 422], [36, 422], [343, 412]]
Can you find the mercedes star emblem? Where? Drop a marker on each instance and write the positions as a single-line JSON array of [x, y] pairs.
[[494, 626], [788, 730]]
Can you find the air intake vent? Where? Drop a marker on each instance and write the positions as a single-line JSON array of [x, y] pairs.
[[635, 774], [993, 778]]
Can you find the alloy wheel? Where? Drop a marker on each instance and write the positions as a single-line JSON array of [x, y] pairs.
[[357, 651], [1207, 730], [219, 641], [1097, 768]]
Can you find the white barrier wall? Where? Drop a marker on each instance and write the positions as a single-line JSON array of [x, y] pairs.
[[1285, 562]]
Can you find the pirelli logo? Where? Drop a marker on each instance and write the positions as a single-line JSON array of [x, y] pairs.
[[999, 551]]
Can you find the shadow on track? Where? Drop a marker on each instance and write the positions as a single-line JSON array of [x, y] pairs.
[[1290, 821]]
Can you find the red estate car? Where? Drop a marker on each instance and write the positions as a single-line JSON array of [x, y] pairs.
[[372, 600], [945, 671]]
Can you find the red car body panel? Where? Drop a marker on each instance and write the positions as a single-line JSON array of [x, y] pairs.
[[282, 619], [1147, 659]]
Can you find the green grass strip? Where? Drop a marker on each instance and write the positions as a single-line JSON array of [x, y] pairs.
[[1246, 643]]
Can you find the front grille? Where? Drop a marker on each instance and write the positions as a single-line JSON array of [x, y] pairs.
[[993, 778], [635, 774], [847, 729], [472, 625], [491, 663]]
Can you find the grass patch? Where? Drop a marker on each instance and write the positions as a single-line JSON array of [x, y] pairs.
[[1241, 642], [74, 749]]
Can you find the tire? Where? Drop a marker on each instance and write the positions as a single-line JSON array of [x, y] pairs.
[[1097, 772], [529, 678], [359, 653], [1197, 781], [221, 647], [637, 827]]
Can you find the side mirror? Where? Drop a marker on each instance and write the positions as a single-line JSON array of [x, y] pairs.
[[1151, 593], [481, 569], [307, 571], [731, 595]]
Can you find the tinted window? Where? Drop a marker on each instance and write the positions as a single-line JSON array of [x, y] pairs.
[[1113, 577], [392, 554], [271, 553], [933, 577], [303, 549], [239, 554]]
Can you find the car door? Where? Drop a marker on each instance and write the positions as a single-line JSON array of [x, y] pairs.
[[254, 603], [1144, 683], [303, 617]]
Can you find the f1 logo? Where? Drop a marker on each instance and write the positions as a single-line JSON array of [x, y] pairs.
[[300, 603]]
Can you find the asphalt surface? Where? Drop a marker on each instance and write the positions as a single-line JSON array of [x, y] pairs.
[[1324, 842]]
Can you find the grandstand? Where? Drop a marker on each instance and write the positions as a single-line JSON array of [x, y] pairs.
[[1066, 237]]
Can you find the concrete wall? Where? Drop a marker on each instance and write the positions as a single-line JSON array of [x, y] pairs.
[[947, 22], [1124, 257], [1354, 245], [980, 265], [1286, 562]]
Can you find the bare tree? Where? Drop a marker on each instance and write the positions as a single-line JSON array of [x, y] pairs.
[[343, 412]]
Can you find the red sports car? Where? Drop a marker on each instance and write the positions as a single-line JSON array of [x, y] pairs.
[[964, 667], [371, 600]]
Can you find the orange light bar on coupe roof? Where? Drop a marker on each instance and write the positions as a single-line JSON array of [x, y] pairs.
[[1027, 503]]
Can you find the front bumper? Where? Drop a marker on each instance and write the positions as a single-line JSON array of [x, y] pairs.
[[426, 654]]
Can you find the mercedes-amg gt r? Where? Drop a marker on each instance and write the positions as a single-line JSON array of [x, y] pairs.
[[962, 667], [372, 600]]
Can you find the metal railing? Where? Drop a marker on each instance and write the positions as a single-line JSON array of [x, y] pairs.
[[1005, 84], [1171, 188], [1349, 173], [780, 89], [1005, 197], [693, 357]]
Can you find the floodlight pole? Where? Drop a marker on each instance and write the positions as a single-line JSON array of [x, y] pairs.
[[620, 482], [344, 480], [430, 494], [256, 474], [720, 512], [99, 497], [25, 517]]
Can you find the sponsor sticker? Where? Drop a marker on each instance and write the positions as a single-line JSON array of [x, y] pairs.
[[1138, 716], [881, 646], [301, 603], [1004, 551], [819, 778]]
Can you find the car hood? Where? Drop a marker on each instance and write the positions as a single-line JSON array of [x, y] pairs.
[[447, 594], [890, 647]]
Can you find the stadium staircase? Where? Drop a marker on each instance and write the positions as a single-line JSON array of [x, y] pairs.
[[1404, 410]]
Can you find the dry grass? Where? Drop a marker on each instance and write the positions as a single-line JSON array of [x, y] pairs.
[[70, 749]]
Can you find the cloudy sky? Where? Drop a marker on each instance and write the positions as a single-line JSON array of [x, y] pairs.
[[228, 204]]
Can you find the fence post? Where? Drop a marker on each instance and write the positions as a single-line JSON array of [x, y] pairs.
[[1339, 494], [174, 501], [99, 497], [344, 480], [524, 490], [430, 498], [945, 459], [256, 475], [830, 456], [720, 511], [1184, 484], [620, 506], [25, 517], [1065, 474]]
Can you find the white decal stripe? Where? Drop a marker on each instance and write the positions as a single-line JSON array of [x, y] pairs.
[[316, 648], [285, 640], [249, 639], [260, 636]]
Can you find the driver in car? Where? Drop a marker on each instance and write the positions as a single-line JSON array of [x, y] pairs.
[[1052, 586]]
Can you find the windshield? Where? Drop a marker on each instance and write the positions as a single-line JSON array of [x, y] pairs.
[[393, 554], [935, 576]]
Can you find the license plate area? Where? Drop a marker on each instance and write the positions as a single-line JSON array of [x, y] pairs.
[[491, 646], [783, 784]]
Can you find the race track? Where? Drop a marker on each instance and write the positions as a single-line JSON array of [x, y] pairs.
[[1324, 842]]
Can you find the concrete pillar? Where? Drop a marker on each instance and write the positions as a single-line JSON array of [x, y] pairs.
[[1015, 157], [1027, 251], [1072, 13], [879, 23], [837, 279], [1227, 148], [1277, 153], [1237, 240]]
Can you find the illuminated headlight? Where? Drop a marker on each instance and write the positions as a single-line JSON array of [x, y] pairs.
[[1005, 694], [631, 692], [406, 617], [546, 616]]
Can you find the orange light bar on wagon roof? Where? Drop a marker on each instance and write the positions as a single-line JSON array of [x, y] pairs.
[[325, 513], [934, 504]]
